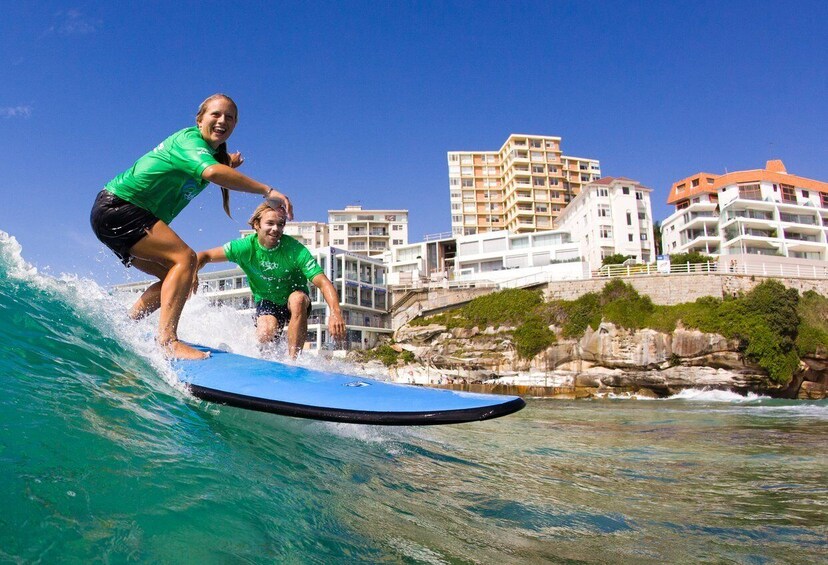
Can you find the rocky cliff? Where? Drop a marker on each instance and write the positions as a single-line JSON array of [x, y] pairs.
[[609, 360]]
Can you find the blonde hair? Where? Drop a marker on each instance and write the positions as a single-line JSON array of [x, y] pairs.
[[221, 151], [256, 218]]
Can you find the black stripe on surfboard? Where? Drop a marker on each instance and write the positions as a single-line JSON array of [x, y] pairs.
[[358, 416]]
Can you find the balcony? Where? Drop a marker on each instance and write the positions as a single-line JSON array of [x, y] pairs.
[[806, 219]]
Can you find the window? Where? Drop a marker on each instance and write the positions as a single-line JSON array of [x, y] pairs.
[[603, 211], [520, 242], [468, 183], [680, 187], [750, 192], [338, 227], [605, 232], [805, 194], [603, 192], [694, 183], [630, 237], [710, 180], [643, 237], [625, 190], [397, 242], [629, 219], [339, 242], [639, 195], [396, 227]]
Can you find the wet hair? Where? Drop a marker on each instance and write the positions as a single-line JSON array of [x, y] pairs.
[[256, 218], [221, 151]]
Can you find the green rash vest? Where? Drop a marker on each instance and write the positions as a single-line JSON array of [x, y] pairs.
[[273, 273], [165, 180]]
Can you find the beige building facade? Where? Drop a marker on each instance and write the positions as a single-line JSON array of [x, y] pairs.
[[522, 187]]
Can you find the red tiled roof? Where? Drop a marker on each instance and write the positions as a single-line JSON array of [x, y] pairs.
[[774, 172]]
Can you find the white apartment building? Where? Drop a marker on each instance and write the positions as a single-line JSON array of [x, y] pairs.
[[367, 232], [491, 256], [432, 259], [755, 212], [611, 215], [522, 187], [503, 255]]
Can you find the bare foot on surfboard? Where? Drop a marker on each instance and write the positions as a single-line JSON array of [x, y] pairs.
[[179, 350]]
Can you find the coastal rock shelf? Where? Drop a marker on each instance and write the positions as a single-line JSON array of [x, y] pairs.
[[606, 361]]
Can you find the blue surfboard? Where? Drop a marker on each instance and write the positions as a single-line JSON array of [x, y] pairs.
[[290, 390]]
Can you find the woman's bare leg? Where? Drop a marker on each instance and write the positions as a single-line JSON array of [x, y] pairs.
[[163, 246], [150, 300]]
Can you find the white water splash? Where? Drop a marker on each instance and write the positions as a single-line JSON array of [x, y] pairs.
[[710, 395]]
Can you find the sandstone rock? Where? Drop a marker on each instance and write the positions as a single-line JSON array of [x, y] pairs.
[[418, 333], [609, 360]]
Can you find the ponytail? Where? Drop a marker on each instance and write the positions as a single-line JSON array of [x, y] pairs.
[[224, 158]]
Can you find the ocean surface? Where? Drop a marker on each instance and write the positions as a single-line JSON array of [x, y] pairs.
[[104, 458]]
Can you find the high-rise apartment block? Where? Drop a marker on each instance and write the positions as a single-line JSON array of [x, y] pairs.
[[367, 232], [522, 187]]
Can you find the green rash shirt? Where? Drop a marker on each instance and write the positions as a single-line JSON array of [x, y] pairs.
[[165, 180], [273, 273]]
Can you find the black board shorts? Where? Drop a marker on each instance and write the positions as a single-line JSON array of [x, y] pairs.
[[279, 311], [119, 224]]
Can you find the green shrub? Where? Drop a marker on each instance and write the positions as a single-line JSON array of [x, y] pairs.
[[615, 259], [386, 354], [507, 307], [579, 314], [692, 257], [532, 337], [812, 333]]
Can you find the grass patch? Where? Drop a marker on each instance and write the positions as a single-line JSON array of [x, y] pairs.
[[385, 354]]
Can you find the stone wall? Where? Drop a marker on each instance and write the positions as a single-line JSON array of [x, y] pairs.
[[675, 289]]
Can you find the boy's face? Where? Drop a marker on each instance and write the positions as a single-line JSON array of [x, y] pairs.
[[270, 227]]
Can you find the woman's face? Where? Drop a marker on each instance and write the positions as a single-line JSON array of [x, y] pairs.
[[217, 122]]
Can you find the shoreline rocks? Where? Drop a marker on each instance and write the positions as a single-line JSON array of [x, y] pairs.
[[606, 361]]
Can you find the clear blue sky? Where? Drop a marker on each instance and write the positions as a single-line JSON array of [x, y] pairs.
[[358, 102]]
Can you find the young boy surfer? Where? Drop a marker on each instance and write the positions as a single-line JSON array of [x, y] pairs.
[[278, 268]]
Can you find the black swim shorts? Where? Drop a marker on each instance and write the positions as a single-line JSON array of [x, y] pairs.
[[279, 311], [119, 224]]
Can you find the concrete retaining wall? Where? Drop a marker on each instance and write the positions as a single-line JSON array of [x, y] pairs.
[[675, 289]]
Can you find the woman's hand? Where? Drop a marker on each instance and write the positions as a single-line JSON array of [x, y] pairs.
[[236, 159], [276, 199]]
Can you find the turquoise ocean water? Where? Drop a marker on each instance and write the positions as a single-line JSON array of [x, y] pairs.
[[103, 458]]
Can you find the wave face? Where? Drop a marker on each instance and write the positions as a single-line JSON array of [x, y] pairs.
[[103, 457]]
